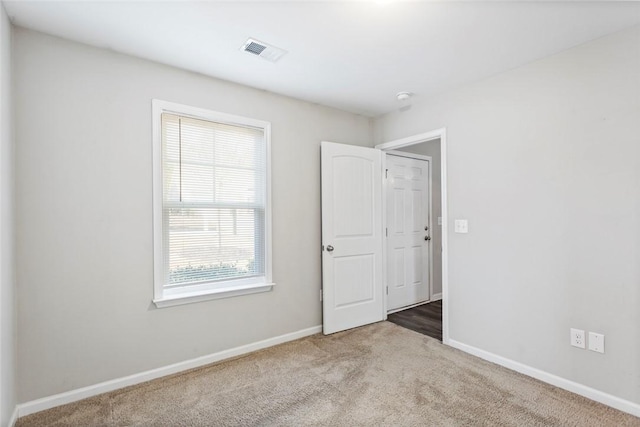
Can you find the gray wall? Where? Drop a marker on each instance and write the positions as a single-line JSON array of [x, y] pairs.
[[554, 214], [432, 149], [544, 162], [7, 275], [84, 215]]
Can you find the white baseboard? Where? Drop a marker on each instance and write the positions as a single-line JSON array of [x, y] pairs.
[[436, 297], [104, 387], [583, 390], [14, 417]]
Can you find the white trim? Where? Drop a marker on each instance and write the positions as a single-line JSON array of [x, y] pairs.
[[436, 297], [431, 245], [14, 417], [44, 403], [385, 286], [445, 236], [412, 140], [157, 107], [183, 298], [190, 294], [203, 113], [574, 387], [417, 139]]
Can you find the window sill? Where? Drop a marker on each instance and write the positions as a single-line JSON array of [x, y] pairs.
[[211, 294]]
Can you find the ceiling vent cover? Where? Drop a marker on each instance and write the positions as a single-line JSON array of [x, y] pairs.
[[263, 50], [255, 48]]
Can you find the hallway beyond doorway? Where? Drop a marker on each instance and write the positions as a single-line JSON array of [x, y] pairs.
[[425, 319]]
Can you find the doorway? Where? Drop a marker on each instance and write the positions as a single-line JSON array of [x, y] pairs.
[[354, 266], [427, 317]]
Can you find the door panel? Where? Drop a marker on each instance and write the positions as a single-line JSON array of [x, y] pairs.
[[351, 236], [355, 273], [398, 205], [407, 189], [352, 195]]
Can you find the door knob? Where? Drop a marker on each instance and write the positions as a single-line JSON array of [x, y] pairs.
[[426, 227], [427, 237], [329, 248]]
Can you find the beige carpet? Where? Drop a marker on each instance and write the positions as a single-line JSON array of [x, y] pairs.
[[376, 375]]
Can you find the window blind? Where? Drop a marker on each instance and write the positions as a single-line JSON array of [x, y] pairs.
[[214, 191]]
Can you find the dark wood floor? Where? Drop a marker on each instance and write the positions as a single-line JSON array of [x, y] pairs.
[[426, 319]]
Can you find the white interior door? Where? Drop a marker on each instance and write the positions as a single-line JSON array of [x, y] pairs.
[[408, 231], [351, 236]]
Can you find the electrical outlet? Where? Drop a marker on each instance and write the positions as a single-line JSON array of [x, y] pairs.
[[596, 342], [577, 338], [460, 226]]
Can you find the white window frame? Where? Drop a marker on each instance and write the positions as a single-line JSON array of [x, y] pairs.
[[166, 297]]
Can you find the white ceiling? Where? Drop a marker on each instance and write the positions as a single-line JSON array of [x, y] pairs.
[[350, 55]]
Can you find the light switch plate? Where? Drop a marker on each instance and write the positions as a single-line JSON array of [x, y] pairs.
[[596, 342], [461, 226]]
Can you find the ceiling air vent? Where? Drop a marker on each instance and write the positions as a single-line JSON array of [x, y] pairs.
[[263, 50]]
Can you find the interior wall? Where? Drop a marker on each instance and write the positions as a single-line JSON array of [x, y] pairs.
[[544, 162], [432, 149], [84, 216], [7, 274]]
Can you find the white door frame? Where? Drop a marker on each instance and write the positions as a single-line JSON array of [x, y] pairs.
[[413, 140], [430, 224]]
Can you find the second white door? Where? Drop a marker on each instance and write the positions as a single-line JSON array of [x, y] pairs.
[[408, 231]]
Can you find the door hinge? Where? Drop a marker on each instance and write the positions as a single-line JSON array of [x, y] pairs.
[[321, 294], [323, 248], [386, 232], [387, 290], [386, 173]]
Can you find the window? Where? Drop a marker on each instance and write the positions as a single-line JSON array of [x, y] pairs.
[[211, 205]]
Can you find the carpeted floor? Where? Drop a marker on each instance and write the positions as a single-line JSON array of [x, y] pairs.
[[381, 374]]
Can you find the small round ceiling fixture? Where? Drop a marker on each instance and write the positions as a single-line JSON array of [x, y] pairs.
[[403, 96]]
